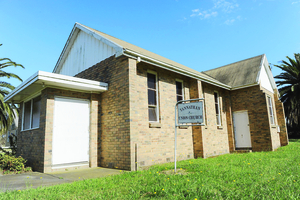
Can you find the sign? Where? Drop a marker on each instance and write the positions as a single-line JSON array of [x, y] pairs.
[[190, 112]]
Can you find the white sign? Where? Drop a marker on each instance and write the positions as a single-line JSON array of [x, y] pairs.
[[190, 112]]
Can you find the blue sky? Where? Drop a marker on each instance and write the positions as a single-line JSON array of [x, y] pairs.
[[201, 34]]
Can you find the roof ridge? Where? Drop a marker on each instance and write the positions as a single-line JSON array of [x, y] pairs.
[[232, 63]]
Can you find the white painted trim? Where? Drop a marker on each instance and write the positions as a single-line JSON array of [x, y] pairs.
[[30, 116], [182, 85], [272, 108], [174, 69], [32, 96], [157, 93], [219, 107], [244, 86], [73, 35], [99, 37], [260, 67], [63, 80]]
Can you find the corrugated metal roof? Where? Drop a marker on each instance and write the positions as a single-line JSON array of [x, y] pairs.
[[150, 54], [238, 74]]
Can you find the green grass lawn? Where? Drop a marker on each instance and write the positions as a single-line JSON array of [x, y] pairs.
[[262, 175]]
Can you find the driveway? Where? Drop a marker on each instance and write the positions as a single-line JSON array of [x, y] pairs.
[[37, 179]]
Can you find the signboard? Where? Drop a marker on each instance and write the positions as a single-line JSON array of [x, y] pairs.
[[190, 112]]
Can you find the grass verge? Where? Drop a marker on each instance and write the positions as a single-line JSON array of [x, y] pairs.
[[260, 175]]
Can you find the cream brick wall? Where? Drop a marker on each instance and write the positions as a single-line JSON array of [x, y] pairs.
[[156, 145]]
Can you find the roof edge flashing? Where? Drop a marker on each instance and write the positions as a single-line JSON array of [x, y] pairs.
[[174, 68]]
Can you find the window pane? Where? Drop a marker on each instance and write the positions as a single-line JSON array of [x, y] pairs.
[[178, 88], [36, 108], [218, 120], [151, 81], [216, 97], [151, 97], [26, 121], [179, 98], [152, 114], [217, 109]]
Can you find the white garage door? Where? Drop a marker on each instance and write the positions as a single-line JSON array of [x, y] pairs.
[[70, 132]]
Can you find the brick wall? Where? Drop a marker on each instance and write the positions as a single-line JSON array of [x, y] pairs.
[[114, 137], [196, 92], [36, 145], [214, 138], [254, 101], [49, 94], [275, 136], [31, 143], [281, 120], [156, 145]]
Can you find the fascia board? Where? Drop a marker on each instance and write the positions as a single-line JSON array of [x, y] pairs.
[[22, 86], [244, 86], [101, 38], [260, 68], [59, 80], [270, 75], [264, 65], [77, 27], [63, 78], [66, 48], [160, 64]]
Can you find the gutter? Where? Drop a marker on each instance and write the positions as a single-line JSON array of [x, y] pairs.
[[169, 67]]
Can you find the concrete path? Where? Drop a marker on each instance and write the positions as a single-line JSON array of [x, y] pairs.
[[37, 179]]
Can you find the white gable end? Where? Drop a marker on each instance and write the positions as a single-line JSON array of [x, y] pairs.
[[265, 77], [83, 53], [264, 80]]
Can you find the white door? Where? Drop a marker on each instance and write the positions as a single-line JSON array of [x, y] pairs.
[[70, 145], [241, 129]]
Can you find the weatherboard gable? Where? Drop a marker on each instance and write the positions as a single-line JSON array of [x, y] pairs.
[[265, 77], [84, 49]]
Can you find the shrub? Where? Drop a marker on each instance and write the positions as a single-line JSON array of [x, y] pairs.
[[12, 163]]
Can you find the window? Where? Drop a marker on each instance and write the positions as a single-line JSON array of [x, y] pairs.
[[152, 97], [271, 110], [31, 113], [179, 91], [217, 106]]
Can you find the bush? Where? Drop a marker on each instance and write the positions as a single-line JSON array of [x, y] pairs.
[[12, 163]]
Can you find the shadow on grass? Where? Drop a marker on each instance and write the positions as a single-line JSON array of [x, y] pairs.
[[294, 140]]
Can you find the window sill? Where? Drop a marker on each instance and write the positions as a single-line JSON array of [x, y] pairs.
[[154, 125], [183, 127], [219, 127], [273, 126], [31, 129]]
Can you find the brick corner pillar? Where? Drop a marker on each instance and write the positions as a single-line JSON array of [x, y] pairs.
[[196, 92], [284, 140], [229, 120]]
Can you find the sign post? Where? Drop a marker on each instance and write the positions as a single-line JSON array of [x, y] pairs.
[[188, 113]]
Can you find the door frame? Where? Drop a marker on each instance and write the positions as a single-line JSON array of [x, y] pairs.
[[57, 166], [234, 129]]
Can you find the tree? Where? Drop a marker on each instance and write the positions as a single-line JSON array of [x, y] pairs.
[[6, 110], [289, 90]]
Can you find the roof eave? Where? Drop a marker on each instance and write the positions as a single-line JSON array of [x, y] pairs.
[[244, 86], [77, 27], [41, 80], [135, 55]]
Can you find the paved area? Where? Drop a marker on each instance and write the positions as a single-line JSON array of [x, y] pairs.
[[37, 179]]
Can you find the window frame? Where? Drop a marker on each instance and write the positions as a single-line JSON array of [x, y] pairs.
[[182, 88], [271, 110], [31, 99], [156, 96], [218, 116]]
